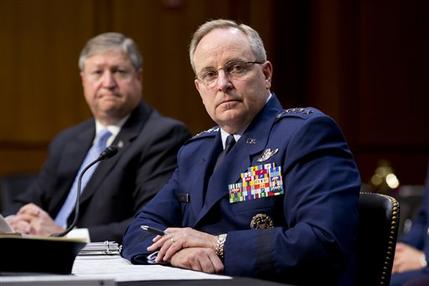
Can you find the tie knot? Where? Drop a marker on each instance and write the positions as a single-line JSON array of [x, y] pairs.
[[102, 138], [230, 141]]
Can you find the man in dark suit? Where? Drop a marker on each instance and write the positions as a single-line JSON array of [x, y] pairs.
[[412, 250], [119, 187], [268, 193]]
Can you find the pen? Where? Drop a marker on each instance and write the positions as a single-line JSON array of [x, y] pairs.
[[152, 230]]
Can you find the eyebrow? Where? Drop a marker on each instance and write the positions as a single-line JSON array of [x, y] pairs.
[[227, 62]]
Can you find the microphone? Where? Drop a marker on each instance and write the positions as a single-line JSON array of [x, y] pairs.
[[107, 153]]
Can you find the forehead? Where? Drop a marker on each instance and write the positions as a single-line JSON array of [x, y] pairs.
[[220, 45], [112, 57]]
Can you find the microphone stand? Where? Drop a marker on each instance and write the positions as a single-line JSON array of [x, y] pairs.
[[106, 154]]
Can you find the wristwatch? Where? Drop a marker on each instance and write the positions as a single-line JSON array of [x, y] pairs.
[[220, 245]]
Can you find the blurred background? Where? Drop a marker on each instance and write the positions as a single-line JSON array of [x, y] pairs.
[[365, 63]]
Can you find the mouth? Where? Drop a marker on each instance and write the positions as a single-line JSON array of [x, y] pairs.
[[228, 102], [108, 95]]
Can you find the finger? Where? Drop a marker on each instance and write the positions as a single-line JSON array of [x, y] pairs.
[[206, 263], [195, 264], [30, 209], [39, 228], [394, 268], [15, 225], [26, 218], [217, 263], [171, 230], [163, 250], [174, 248], [22, 227], [399, 268], [159, 243]]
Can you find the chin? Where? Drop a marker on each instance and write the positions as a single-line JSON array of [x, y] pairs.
[[231, 114], [110, 105], [230, 119]]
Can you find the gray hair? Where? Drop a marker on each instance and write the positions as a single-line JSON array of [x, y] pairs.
[[109, 41], [255, 40]]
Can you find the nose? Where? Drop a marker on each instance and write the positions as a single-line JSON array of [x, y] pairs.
[[108, 80], [223, 81]]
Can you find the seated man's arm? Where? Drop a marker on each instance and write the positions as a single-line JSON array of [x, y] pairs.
[[408, 258]]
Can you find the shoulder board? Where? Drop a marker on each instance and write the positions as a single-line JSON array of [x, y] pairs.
[[300, 112], [206, 133]]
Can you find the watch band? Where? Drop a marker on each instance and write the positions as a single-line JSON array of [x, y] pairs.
[[220, 245]]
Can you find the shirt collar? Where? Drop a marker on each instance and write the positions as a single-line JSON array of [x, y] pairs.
[[113, 128], [224, 134]]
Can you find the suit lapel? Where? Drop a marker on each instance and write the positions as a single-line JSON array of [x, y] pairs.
[[252, 142], [74, 153], [126, 136]]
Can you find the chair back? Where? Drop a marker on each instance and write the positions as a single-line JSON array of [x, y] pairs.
[[12, 186], [377, 234]]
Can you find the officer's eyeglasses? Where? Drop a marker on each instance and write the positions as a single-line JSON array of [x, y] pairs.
[[235, 69]]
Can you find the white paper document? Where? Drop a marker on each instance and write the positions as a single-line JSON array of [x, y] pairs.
[[120, 269], [4, 226]]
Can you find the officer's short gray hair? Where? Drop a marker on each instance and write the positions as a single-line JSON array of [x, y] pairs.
[[255, 40], [111, 41]]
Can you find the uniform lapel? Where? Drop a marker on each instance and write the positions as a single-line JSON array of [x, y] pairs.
[[252, 142], [201, 176]]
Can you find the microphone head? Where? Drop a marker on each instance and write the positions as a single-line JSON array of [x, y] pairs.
[[109, 152]]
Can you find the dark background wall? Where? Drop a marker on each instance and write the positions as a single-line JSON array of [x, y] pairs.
[[362, 62]]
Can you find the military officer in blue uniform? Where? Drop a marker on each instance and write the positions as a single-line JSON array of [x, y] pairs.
[[268, 193]]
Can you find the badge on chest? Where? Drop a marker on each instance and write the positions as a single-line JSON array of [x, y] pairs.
[[257, 182]]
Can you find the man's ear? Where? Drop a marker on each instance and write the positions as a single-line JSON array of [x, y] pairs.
[[81, 77], [197, 85], [140, 74], [267, 70]]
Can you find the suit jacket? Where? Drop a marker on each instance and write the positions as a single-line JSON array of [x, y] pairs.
[[121, 185], [314, 222]]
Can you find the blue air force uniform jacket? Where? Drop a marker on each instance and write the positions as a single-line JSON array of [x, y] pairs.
[[313, 216]]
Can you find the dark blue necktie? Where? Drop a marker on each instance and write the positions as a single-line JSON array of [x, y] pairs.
[[230, 142]]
